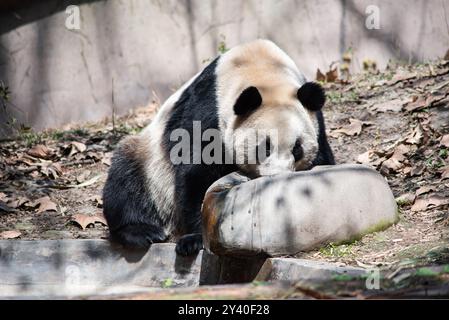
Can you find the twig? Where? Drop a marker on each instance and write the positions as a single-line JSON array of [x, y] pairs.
[[113, 106]]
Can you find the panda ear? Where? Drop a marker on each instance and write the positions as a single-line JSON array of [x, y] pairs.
[[249, 100], [311, 95]]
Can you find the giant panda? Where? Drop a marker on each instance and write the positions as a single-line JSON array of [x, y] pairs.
[[148, 198]]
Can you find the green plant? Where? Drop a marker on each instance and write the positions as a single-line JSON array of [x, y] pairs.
[[334, 97], [337, 250], [434, 163], [401, 202], [30, 138], [222, 48], [4, 94], [167, 283]]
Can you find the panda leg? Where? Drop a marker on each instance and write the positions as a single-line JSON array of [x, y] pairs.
[[128, 207], [139, 235], [192, 241], [191, 194]]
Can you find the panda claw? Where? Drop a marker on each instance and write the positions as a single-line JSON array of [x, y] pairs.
[[189, 244]]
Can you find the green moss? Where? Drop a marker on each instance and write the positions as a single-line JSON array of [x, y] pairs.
[[403, 202], [343, 277], [382, 225], [426, 272]]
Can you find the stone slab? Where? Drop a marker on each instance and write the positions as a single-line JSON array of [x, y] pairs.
[[76, 267], [291, 269]]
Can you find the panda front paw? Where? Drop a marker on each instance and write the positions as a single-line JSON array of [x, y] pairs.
[[189, 244]]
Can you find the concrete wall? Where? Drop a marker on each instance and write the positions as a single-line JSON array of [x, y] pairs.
[[59, 76]]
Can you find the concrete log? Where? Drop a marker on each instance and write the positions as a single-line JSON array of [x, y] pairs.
[[289, 213]]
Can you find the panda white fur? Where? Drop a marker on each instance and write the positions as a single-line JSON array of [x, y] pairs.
[[148, 199]]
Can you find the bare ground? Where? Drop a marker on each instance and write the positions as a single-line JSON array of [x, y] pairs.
[[400, 119]]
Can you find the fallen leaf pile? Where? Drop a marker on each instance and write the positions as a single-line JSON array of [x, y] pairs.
[[49, 179], [421, 153]]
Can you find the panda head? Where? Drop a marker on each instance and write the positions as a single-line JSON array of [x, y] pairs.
[[274, 129]]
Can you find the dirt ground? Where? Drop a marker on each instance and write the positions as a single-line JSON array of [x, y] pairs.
[[397, 121]]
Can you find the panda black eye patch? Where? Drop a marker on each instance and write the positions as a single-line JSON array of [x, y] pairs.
[[297, 150], [311, 95], [249, 100]]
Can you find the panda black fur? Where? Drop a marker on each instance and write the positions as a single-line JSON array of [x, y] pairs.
[[148, 199]]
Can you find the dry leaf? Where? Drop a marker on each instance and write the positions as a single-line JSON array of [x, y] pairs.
[[52, 170], [424, 101], [365, 158], [378, 162], [45, 204], [332, 75], [83, 220], [417, 171], [391, 165], [17, 202], [426, 83], [401, 75], [445, 141], [77, 147], [353, 129], [394, 163], [415, 136], [12, 234], [430, 202], [423, 190], [392, 105], [406, 170], [320, 76], [445, 173], [40, 151]]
